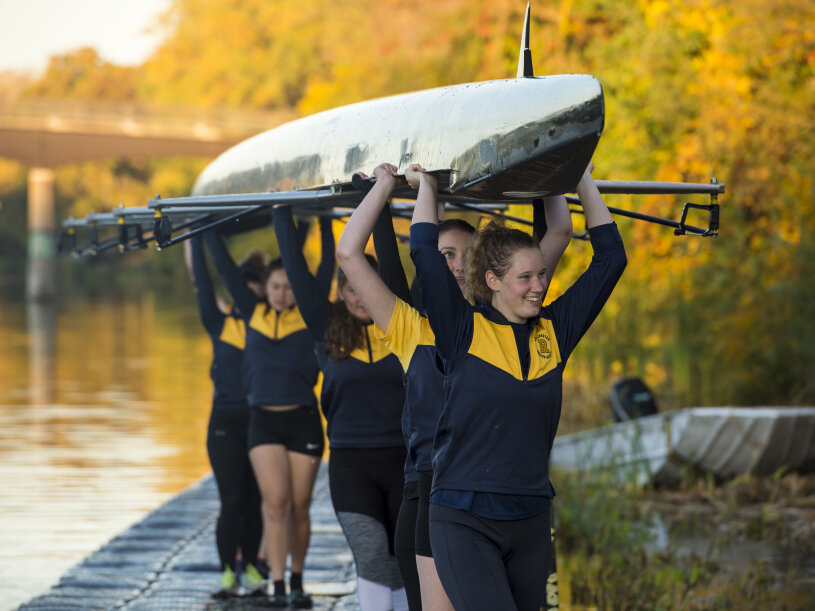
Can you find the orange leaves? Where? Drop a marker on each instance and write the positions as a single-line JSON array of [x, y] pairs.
[[694, 89]]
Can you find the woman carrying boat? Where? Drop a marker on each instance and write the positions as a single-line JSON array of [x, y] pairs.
[[362, 398], [239, 524], [285, 431], [503, 359], [410, 337]]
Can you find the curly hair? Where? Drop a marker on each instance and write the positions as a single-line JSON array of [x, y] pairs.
[[492, 248], [344, 332]]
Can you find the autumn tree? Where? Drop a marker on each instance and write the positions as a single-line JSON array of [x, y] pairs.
[[82, 74], [693, 89]]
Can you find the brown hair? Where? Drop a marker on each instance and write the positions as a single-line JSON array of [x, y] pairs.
[[274, 265], [492, 248], [455, 225], [344, 332], [253, 266]]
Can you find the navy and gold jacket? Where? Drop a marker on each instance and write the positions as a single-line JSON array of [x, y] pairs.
[[279, 360], [281, 366], [504, 381], [411, 339], [227, 333], [362, 394]]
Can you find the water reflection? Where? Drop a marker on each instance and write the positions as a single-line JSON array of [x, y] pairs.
[[42, 327], [103, 410]]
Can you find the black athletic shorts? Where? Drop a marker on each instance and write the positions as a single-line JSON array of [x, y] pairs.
[[299, 429], [485, 564]]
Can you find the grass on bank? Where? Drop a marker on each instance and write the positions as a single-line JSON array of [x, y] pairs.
[[612, 552]]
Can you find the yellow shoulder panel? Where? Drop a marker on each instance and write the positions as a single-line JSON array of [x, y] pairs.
[[408, 329], [544, 352], [378, 349], [274, 325], [263, 321], [234, 332], [495, 344], [378, 352], [291, 321], [360, 354]]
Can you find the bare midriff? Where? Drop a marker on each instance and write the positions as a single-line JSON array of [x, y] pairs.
[[279, 408]]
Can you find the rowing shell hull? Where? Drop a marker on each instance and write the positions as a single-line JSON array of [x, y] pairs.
[[724, 441], [503, 140]]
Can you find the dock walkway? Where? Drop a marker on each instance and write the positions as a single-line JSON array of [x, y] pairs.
[[168, 561]]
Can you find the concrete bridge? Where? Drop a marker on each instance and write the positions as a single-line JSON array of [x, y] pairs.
[[45, 134]]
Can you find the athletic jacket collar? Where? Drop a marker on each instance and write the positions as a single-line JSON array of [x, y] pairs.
[[493, 315]]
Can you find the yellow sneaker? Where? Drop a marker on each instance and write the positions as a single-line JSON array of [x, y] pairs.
[[252, 580], [229, 585]]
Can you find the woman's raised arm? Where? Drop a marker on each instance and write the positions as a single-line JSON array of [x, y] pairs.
[[313, 303], [446, 308], [558, 233], [378, 299], [211, 315], [244, 298], [325, 271]]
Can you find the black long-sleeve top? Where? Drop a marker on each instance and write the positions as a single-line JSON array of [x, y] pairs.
[[227, 333], [504, 380], [362, 394]]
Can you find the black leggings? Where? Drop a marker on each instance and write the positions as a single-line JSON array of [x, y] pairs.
[[404, 545], [422, 536], [240, 524], [366, 491], [486, 564]]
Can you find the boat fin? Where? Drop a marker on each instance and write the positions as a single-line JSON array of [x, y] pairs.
[[525, 55]]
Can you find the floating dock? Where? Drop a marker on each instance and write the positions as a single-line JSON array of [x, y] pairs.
[[169, 561]]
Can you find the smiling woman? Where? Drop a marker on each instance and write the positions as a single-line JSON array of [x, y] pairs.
[[507, 267], [504, 358]]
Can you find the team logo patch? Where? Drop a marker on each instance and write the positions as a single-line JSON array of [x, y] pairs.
[[543, 346]]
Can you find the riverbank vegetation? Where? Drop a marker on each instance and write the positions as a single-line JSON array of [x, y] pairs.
[[693, 89], [747, 543]]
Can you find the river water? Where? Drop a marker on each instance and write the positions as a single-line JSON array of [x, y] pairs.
[[103, 413]]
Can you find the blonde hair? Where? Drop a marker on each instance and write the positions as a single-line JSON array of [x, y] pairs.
[[492, 248]]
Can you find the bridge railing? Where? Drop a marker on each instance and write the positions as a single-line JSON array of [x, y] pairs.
[[137, 119]]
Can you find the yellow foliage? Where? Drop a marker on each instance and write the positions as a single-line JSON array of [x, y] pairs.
[[655, 374], [10, 172], [655, 11], [693, 89]]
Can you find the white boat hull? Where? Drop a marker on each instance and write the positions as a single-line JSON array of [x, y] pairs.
[[724, 441], [501, 140]]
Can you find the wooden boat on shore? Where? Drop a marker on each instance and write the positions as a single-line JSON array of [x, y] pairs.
[[723, 441]]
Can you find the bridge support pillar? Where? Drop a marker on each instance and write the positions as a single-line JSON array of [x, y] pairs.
[[41, 267]]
